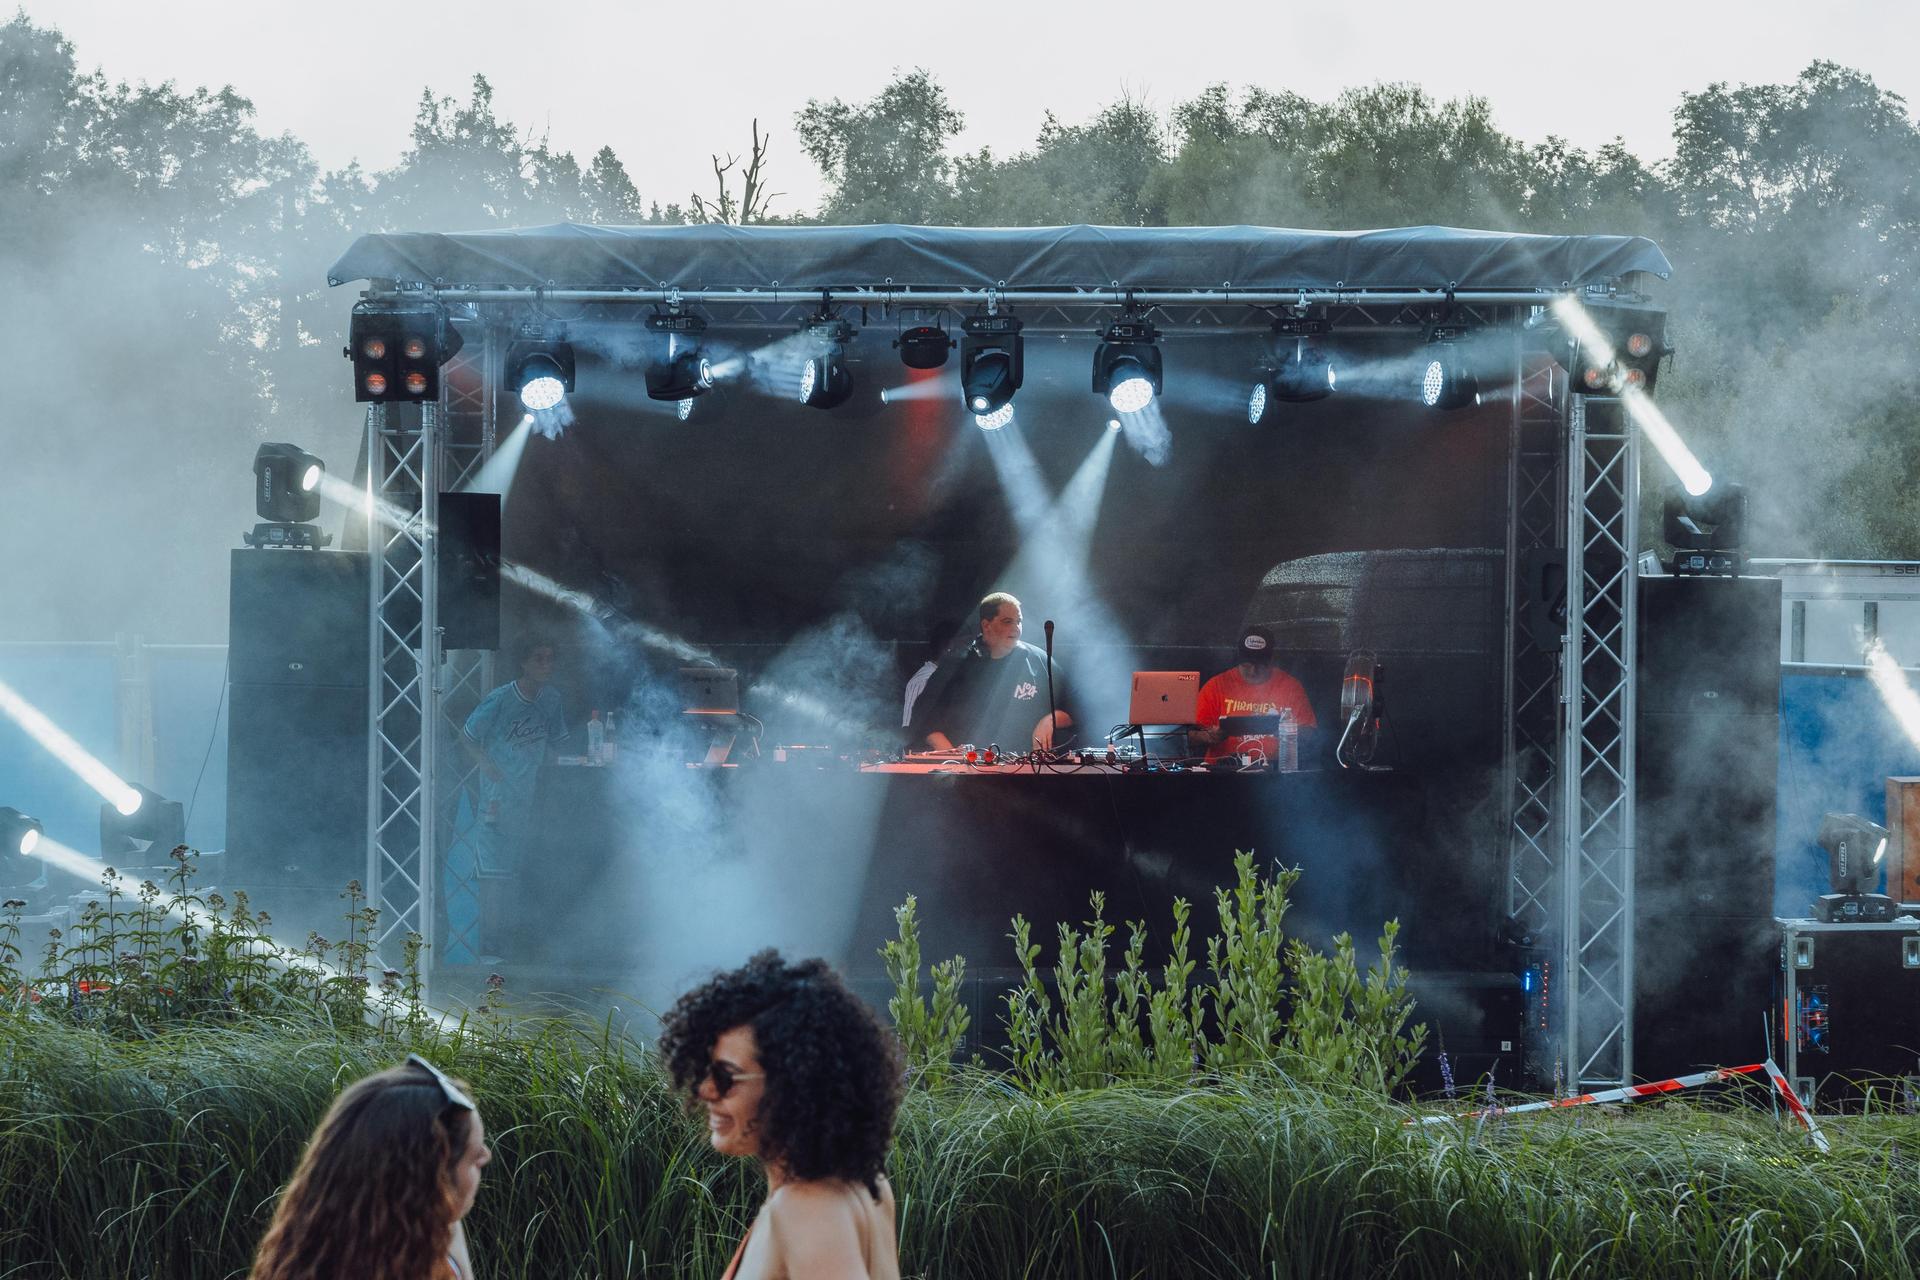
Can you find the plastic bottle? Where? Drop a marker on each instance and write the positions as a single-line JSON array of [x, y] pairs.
[[596, 739], [1287, 742], [612, 747]]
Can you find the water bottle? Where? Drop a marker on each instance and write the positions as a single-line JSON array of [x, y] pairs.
[[1287, 743], [612, 747], [596, 738]]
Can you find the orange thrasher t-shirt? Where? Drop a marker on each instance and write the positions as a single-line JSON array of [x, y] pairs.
[[1230, 694]]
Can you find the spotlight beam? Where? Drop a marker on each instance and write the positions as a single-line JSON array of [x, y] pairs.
[[1660, 432], [77, 758], [1890, 682]]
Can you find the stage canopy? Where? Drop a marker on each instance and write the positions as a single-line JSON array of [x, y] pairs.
[[889, 257]]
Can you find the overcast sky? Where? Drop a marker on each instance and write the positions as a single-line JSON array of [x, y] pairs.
[[665, 85]]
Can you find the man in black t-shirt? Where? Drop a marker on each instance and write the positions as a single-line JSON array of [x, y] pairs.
[[997, 693]]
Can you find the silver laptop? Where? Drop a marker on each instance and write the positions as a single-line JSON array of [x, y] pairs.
[[1164, 697], [709, 691]]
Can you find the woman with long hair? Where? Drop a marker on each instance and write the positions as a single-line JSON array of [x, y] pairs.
[[384, 1183], [795, 1072]]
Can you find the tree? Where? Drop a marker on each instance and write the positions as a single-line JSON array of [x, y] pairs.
[[885, 161]]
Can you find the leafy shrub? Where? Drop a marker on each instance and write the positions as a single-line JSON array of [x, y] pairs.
[[1273, 1003]]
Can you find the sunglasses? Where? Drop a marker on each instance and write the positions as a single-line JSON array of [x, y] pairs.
[[455, 1096], [725, 1077]]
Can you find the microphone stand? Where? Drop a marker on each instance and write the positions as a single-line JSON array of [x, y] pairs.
[[1053, 712]]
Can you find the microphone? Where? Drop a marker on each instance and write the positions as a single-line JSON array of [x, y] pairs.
[[1053, 712]]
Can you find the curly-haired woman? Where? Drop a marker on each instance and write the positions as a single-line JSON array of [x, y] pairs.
[[384, 1183], [796, 1072]]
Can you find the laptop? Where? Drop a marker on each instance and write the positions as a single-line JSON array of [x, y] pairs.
[[709, 691], [1164, 697]]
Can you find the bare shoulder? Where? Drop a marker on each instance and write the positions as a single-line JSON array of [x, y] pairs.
[[818, 1227]]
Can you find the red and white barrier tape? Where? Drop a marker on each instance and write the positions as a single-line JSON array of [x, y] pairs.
[[1634, 1092]]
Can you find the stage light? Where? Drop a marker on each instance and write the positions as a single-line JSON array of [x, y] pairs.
[[19, 834], [1855, 849], [677, 369], [992, 363], [540, 368], [1706, 531], [1257, 402], [287, 482], [1296, 371], [923, 347], [155, 819], [685, 409], [1113, 424], [995, 420], [1126, 364], [1617, 345], [1447, 381], [397, 350], [824, 379]]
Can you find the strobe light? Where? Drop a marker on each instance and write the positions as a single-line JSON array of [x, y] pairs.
[[1856, 851], [677, 367], [824, 380], [286, 495], [1446, 377], [992, 365], [1126, 364], [924, 347], [540, 368], [397, 351]]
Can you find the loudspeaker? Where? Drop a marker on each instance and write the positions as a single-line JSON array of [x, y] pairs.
[[298, 617], [468, 563], [297, 785], [1706, 773], [1709, 646], [297, 718]]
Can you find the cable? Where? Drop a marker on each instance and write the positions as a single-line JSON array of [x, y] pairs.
[[226, 667]]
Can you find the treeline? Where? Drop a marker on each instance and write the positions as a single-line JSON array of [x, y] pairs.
[[167, 260]]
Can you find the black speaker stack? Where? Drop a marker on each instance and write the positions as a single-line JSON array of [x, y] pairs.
[[297, 723], [1708, 747]]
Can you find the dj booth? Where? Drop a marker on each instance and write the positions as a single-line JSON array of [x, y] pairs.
[[978, 845]]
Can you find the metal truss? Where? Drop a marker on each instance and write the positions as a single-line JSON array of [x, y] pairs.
[[1596, 767], [422, 692], [1042, 311], [402, 507]]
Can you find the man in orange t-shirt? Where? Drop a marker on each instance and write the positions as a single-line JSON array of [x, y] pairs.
[[1253, 687]]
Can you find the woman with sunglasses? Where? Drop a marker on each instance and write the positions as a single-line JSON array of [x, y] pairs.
[[384, 1183], [796, 1072]]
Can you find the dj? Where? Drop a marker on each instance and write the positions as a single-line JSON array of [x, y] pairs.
[[1253, 687], [998, 691]]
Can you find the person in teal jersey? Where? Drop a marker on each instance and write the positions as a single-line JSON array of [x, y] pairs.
[[509, 736]]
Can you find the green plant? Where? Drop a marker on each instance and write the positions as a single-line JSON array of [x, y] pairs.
[[931, 1036], [1272, 1003]]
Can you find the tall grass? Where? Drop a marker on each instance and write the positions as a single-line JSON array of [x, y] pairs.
[[161, 1157]]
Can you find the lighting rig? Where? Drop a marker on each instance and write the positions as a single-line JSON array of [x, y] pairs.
[[924, 346], [1706, 531], [677, 367], [397, 351], [824, 379], [1447, 378], [1296, 370], [992, 367], [540, 366], [1126, 364], [1856, 848], [286, 496], [19, 837]]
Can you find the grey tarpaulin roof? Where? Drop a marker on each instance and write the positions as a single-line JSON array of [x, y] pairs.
[[569, 255]]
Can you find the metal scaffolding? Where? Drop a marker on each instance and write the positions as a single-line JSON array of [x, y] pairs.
[[1567, 768]]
